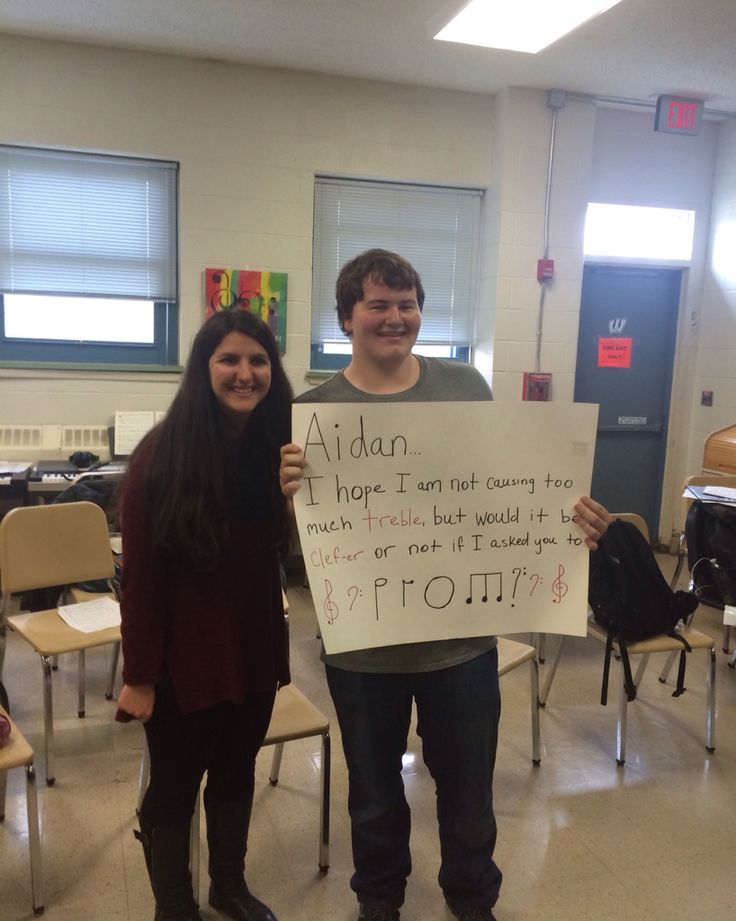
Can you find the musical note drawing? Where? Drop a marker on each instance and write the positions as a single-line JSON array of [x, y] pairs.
[[559, 587], [330, 608], [484, 576], [518, 571], [536, 579], [354, 593]]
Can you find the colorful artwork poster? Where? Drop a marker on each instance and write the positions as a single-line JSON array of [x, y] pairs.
[[263, 293], [614, 353]]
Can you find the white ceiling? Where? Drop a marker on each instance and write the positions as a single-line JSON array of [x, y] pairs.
[[637, 50]]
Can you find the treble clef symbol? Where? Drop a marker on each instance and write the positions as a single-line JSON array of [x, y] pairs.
[[559, 588], [331, 609]]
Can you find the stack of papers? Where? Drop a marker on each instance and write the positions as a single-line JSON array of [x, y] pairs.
[[720, 492], [90, 616], [712, 493]]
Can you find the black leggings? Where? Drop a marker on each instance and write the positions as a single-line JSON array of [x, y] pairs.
[[222, 740]]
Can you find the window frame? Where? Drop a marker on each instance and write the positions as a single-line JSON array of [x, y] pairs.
[[334, 246], [163, 351], [136, 258]]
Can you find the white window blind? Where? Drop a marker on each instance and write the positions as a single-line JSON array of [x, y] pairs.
[[87, 224], [436, 229]]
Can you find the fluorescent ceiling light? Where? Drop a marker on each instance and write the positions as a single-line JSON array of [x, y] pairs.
[[520, 25]]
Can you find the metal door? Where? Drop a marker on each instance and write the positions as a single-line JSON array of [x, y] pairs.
[[626, 344]]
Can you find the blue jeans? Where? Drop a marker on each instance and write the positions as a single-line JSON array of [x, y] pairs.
[[458, 710]]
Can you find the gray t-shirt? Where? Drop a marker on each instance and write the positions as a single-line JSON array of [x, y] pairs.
[[440, 381]]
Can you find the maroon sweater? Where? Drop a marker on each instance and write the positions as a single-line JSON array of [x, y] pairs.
[[216, 635]]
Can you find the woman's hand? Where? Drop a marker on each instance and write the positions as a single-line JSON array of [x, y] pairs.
[[292, 469], [593, 519], [137, 700]]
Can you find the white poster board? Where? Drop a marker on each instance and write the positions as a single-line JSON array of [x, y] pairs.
[[427, 521]]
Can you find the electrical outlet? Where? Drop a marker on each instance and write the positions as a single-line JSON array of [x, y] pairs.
[[706, 398]]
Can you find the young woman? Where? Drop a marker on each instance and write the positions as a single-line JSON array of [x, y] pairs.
[[204, 640]]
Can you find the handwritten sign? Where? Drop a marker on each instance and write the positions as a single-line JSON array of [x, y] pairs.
[[427, 521]]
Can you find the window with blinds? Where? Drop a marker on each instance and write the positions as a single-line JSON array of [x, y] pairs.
[[88, 258], [435, 228]]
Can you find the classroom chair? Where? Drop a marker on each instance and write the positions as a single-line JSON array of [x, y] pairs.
[[55, 545], [18, 753], [645, 648], [700, 479]]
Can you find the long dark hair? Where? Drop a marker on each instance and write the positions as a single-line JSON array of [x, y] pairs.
[[188, 474]]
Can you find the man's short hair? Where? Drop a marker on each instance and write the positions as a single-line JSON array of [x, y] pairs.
[[380, 266]]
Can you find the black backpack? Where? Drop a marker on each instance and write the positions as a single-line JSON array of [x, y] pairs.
[[710, 533], [631, 600]]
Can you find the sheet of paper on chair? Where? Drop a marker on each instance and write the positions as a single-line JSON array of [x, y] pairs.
[[89, 616], [720, 492], [729, 615], [722, 495]]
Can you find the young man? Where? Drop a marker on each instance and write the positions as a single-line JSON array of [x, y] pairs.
[[453, 682]]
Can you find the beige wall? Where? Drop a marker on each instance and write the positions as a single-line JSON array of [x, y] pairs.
[[715, 323], [250, 141], [515, 228]]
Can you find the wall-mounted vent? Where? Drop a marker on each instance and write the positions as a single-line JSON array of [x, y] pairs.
[[29, 442], [28, 437], [84, 438]]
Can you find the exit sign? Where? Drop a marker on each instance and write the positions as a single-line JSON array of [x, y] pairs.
[[677, 115]]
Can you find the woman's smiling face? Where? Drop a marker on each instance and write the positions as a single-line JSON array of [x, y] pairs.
[[240, 376]]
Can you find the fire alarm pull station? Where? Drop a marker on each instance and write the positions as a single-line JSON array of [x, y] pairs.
[[545, 269], [536, 386]]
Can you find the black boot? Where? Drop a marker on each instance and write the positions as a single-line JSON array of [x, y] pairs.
[[166, 851], [227, 836]]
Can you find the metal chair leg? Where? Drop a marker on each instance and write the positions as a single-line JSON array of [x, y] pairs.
[[81, 682], [48, 720], [113, 671], [621, 724], [669, 662], [552, 671], [34, 841], [143, 778], [641, 669], [710, 719], [278, 751], [324, 808], [536, 746]]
